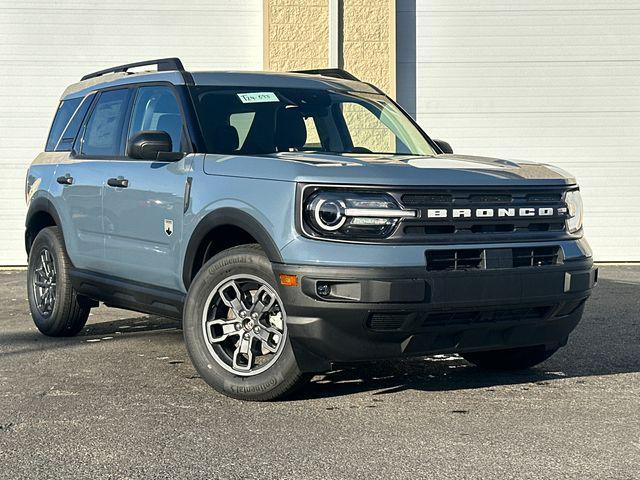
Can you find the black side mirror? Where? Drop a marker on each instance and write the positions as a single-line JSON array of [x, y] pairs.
[[152, 145], [444, 146]]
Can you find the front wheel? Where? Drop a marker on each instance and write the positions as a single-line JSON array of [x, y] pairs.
[[235, 327], [511, 359]]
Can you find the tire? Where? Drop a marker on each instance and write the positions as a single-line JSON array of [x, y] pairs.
[[61, 312], [512, 359], [217, 329]]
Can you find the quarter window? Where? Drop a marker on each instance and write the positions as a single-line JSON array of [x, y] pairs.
[[103, 133], [156, 108], [66, 109]]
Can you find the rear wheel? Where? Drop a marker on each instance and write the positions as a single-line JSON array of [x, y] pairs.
[[56, 308], [235, 327], [511, 359]]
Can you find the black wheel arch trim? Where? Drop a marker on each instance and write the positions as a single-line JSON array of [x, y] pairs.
[[37, 205], [232, 217]]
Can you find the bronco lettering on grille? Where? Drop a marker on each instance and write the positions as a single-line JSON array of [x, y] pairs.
[[463, 213]]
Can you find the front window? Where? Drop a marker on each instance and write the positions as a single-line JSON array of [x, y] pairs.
[[266, 120]]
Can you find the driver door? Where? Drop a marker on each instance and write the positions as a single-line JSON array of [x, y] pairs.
[[143, 215]]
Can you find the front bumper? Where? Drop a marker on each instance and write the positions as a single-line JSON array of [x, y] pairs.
[[375, 313]]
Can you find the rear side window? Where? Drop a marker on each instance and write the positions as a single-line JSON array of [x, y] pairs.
[[66, 109], [103, 132], [68, 137]]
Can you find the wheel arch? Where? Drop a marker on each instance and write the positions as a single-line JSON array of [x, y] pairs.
[[240, 227], [41, 214]]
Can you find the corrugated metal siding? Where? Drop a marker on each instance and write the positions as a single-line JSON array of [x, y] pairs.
[[555, 81], [45, 46]]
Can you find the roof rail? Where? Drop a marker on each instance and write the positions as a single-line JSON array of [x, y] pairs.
[[164, 64], [330, 72]]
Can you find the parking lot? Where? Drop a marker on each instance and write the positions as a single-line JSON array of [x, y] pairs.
[[122, 401]]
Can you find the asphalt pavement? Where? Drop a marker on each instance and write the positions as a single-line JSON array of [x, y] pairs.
[[121, 400]]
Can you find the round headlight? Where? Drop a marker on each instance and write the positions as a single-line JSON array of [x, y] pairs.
[[574, 210], [346, 214], [329, 214]]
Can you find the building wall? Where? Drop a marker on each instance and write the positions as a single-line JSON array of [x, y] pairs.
[[368, 42], [550, 81], [296, 34], [297, 37], [45, 46], [368, 52]]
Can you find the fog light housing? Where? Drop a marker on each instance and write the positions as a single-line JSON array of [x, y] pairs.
[[323, 289]]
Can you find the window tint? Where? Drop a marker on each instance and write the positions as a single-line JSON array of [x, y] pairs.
[[261, 121], [65, 110], [103, 133], [68, 137], [156, 108]]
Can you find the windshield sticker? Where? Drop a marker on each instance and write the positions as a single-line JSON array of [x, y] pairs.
[[258, 97]]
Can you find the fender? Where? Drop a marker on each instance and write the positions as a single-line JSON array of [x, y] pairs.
[[227, 216], [37, 205]]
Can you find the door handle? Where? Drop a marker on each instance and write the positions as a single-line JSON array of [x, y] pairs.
[[65, 180], [118, 182]]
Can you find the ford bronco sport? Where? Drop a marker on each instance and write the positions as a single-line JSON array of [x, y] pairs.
[[293, 221]]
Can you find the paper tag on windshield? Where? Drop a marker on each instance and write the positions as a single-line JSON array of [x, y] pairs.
[[258, 97]]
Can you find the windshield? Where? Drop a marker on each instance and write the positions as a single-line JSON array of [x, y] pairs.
[[269, 120]]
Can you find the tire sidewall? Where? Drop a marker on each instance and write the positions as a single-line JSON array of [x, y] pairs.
[[45, 240], [263, 386]]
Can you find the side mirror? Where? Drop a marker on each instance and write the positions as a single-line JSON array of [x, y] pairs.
[[444, 146], [152, 145]]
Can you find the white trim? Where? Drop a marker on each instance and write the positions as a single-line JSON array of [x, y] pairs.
[[334, 34]]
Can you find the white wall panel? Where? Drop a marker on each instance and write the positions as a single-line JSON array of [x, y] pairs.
[[46, 45], [555, 81]]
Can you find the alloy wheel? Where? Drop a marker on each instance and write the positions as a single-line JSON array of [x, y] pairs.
[[244, 325], [44, 283]]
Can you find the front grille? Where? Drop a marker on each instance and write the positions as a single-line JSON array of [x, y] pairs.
[[455, 259], [492, 258], [535, 256], [386, 321], [463, 229], [406, 322]]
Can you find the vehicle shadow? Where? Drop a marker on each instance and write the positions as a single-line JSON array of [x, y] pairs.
[[606, 342], [27, 341]]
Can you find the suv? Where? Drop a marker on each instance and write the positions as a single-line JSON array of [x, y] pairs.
[[294, 221]]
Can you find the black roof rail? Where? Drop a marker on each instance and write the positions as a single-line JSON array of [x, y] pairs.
[[330, 72], [163, 64]]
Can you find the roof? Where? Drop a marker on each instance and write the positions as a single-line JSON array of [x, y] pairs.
[[228, 78]]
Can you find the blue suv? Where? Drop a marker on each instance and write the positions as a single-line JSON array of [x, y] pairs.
[[294, 221]]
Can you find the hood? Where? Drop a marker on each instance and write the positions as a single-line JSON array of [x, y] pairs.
[[373, 169]]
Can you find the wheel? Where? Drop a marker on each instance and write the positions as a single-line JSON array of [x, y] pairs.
[[512, 359], [56, 308], [235, 327]]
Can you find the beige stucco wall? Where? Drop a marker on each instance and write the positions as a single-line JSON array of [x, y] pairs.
[[368, 41], [296, 34], [368, 52]]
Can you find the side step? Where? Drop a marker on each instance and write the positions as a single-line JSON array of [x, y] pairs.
[[121, 293]]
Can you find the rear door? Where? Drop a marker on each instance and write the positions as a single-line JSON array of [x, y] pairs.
[[143, 220], [82, 177]]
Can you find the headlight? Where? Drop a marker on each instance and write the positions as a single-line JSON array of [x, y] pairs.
[[345, 214], [574, 210]]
